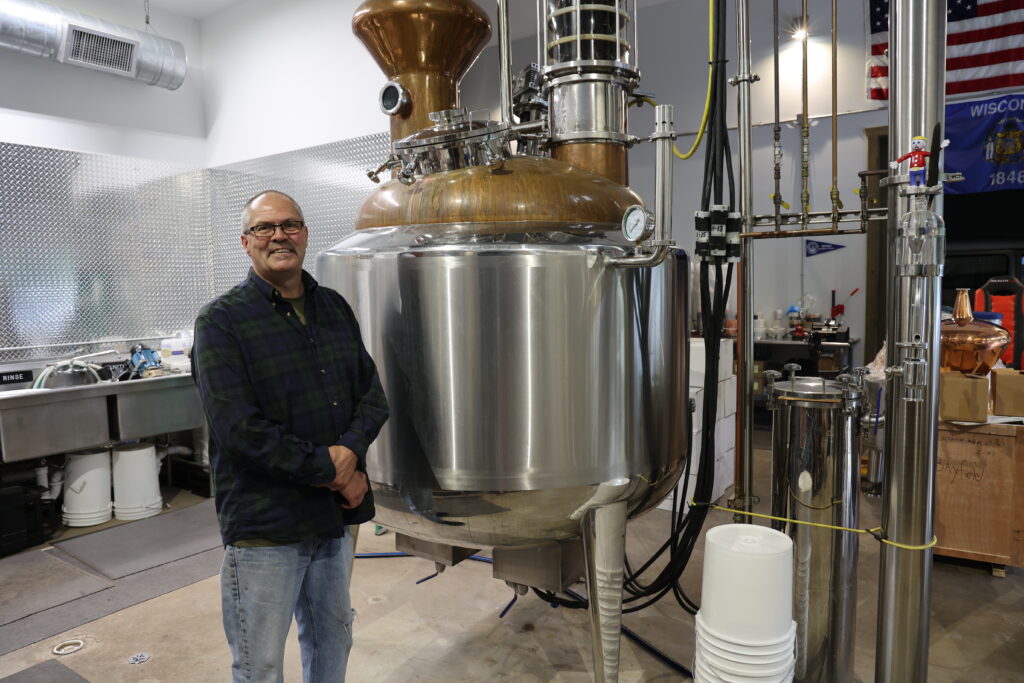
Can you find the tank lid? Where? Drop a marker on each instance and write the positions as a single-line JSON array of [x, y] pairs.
[[808, 388]]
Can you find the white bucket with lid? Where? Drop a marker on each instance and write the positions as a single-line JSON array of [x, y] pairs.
[[136, 482], [87, 488]]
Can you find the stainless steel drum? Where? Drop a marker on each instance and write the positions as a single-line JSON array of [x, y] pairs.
[[527, 376], [815, 475]]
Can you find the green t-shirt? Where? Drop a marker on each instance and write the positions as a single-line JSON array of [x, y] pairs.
[[299, 305]]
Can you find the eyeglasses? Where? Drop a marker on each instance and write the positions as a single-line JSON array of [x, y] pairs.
[[264, 231]]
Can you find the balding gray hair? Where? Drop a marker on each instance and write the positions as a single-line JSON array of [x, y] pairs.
[[248, 205]]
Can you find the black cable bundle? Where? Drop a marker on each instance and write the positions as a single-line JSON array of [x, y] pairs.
[[687, 525]]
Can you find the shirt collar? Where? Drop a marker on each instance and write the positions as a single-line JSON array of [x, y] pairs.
[[309, 284]]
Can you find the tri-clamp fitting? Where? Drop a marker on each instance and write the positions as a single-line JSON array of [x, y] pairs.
[[770, 378]]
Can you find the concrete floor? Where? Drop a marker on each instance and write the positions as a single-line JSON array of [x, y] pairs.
[[447, 629]]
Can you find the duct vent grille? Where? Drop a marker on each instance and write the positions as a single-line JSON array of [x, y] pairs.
[[100, 51]]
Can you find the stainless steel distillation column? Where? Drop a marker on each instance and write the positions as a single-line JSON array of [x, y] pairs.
[[916, 95], [744, 479]]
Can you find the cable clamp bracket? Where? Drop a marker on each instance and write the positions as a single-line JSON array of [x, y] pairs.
[[744, 78]]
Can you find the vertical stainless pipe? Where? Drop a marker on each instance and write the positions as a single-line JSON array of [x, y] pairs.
[[805, 131], [917, 32], [663, 137], [744, 477], [504, 63], [664, 132]]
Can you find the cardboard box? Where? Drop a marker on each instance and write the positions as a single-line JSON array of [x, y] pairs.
[[697, 394], [725, 469], [698, 360], [725, 435], [1007, 392], [963, 398], [726, 398]]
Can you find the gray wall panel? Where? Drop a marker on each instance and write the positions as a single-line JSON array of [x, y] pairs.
[[100, 247]]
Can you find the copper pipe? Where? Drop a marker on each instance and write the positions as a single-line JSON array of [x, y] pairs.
[[603, 158], [768, 234], [834, 191], [805, 127], [777, 127]]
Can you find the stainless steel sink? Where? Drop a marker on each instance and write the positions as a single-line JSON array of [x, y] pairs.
[[40, 423], [157, 405]]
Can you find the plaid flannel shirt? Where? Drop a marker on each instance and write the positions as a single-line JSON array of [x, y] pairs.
[[276, 394]]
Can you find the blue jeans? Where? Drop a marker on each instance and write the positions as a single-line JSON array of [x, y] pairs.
[[260, 590]]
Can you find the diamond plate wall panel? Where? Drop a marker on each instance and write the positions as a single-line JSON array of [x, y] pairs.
[[97, 247], [329, 182], [111, 248]]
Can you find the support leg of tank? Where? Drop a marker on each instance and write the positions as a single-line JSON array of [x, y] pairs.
[[604, 542]]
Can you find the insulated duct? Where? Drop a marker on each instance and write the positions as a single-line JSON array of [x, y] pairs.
[[69, 37]]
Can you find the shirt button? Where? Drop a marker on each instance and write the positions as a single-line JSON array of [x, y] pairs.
[[334, 403], [322, 371]]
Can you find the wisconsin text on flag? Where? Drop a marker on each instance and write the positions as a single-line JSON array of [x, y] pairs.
[[984, 46]]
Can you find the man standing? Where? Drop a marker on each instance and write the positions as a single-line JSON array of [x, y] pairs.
[[293, 401]]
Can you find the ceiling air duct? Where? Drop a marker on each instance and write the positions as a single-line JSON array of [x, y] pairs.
[[43, 30]]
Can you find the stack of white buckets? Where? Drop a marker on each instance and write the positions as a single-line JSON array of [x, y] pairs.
[[87, 479], [745, 628]]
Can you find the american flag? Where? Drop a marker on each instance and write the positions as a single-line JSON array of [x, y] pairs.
[[984, 46]]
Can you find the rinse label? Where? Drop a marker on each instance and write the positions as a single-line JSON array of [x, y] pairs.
[[16, 377]]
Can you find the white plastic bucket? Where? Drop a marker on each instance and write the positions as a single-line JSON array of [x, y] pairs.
[[703, 671], [747, 593], [750, 648], [741, 670], [136, 482], [87, 488], [710, 645]]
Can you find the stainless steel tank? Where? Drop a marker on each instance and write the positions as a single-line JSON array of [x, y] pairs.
[[524, 371], [815, 476]]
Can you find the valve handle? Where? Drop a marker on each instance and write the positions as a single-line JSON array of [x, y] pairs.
[[792, 369]]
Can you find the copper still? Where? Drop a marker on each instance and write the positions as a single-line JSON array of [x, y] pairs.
[[970, 346], [528, 316]]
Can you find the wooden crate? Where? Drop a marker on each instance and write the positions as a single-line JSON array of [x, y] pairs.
[[979, 507]]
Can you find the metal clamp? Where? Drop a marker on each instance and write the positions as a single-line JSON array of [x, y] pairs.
[[744, 78], [770, 378]]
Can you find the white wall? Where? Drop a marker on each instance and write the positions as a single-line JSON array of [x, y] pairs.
[[49, 104], [673, 62], [286, 75]]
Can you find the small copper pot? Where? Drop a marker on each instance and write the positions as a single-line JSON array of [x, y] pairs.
[[968, 345]]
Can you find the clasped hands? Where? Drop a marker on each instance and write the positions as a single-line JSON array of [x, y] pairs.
[[348, 481]]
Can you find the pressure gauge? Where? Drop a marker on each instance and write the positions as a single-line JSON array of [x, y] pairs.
[[637, 224]]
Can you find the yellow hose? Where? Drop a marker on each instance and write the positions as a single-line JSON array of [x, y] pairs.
[[707, 97]]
